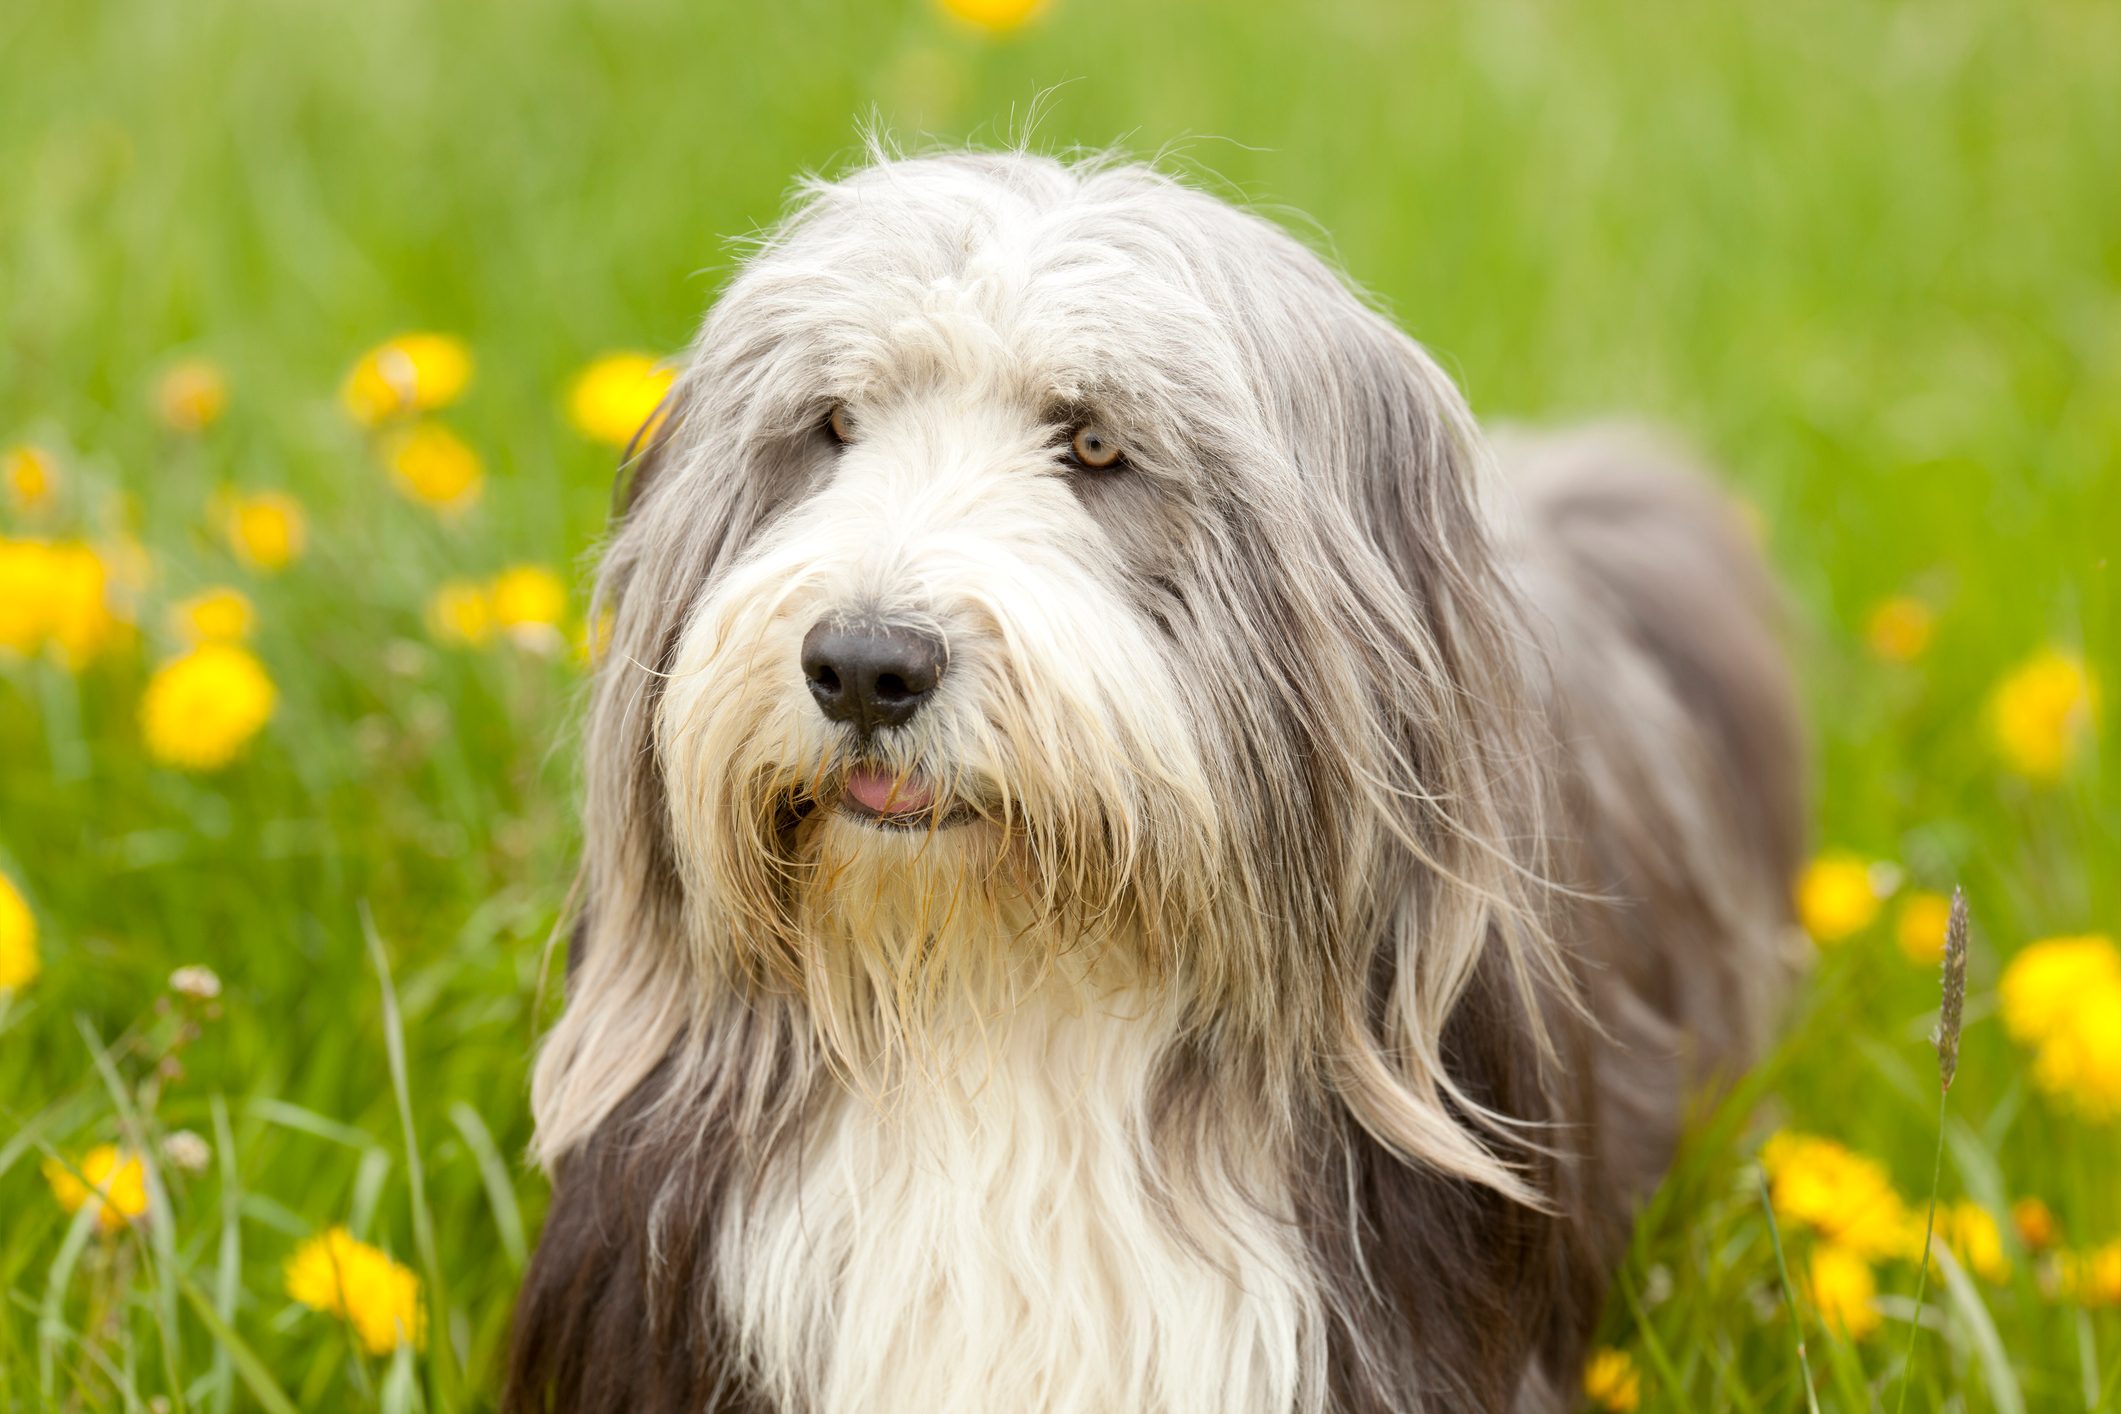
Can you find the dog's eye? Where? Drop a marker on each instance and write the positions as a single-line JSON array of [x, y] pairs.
[[1095, 447], [840, 424]]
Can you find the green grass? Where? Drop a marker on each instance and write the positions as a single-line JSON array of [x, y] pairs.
[[1868, 254]]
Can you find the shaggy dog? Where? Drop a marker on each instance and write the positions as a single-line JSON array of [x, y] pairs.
[[1132, 861]]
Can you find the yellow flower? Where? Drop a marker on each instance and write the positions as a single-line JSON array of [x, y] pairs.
[[216, 615], [1611, 1381], [615, 396], [2041, 987], [1899, 629], [191, 396], [1836, 897], [461, 612], [31, 476], [25, 570], [266, 531], [2094, 1277], [1975, 1239], [993, 16], [2062, 997], [344, 1277], [528, 603], [56, 595], [18, 939], [81, 622], [2035, 1223], [202, 708], [434, 466], [111, 1178], [1923, 917], [1844, 1290], [408, 374], [2041, 714], [1845, 1197]]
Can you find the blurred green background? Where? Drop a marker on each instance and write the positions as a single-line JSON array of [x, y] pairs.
[[1867, 255]]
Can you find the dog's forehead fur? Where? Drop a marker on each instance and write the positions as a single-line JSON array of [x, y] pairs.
[[1203, 332]]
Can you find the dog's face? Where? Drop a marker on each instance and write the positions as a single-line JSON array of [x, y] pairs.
[[1042, 563], [961, 671]]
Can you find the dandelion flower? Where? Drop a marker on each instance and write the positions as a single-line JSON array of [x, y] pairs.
[[992, 16], [1611, 1381], [342, 1276], [56, 595], [412, 373], [2062, 997], [82, 622], [529, 596], [2093, 1278], [1843, 1196], [107, 1176], [1844, 1290], [436, 467], [25, 570], [31, 477], [217, 615], [1837, 896], [2035, 1224], [267, 531], [19, 964], [614, 397], [1899, 629], [191, 396], [461, 612], [1975, 1239], [1920, 929], [2041, 714], [202, 708]]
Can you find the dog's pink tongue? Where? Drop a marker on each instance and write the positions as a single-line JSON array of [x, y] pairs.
[[885, 793]]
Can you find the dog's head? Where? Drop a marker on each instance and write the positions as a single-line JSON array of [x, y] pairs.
[[1045, 567]]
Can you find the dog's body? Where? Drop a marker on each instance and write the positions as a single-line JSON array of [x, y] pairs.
[[1227, 927]]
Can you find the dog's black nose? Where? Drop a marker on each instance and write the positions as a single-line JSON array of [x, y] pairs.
[[871, 677]]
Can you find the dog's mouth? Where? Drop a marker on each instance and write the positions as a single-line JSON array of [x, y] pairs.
[[876, 797]]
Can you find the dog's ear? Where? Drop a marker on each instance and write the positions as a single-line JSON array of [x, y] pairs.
[[1442, 750], [650, 450]]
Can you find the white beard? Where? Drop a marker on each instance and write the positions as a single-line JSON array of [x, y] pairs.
[[989, 1238]]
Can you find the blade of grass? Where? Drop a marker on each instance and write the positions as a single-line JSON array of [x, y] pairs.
[[493, 1172], [2097, 1393], [443, 1368], [228, 1271], [256, 1378], [1660, 1358], [2003, 1388], [1922, 1279], [369, 1178], [1789, 1294], [29, 1133], [159, 1247], [51, 1314], [307, 1121]]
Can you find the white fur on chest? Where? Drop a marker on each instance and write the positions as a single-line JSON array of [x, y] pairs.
[[989, 1240]]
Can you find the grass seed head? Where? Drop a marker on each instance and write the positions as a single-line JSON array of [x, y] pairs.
[[1951, 1014]]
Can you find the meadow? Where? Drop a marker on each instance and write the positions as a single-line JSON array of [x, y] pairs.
[[300, 480]]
